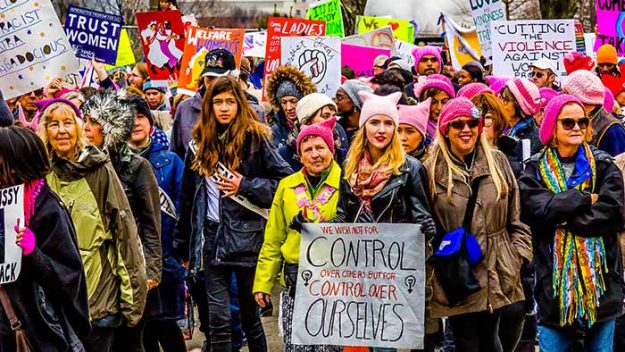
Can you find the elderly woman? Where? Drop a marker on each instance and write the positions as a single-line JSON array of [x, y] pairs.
[[309, 195], [462, 163], [109, 245], [573, 200]]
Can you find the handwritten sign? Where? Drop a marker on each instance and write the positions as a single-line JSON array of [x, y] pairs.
[[330, 12], [93, 34], [402, 29], [198, 43], [377, 38], [360, 285], [360, 58], [34, 47], [162, 40], [610, 25], [517, 44], [11, 208], [318, 57], [484, 12], [286, 27], [255, 44], [403, 50]]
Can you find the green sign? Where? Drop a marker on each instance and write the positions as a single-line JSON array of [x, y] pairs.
[[329, 11]]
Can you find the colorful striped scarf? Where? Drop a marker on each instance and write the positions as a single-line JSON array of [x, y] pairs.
[[579, 263]]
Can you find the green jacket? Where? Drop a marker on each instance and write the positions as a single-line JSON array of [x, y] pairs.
[[281, 242], [107, 235]]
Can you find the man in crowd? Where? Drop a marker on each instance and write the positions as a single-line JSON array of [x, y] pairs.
[[544, 73]]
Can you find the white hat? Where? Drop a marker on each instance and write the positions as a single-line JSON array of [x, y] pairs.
[[309, 104], [545, 64], [401, 63]]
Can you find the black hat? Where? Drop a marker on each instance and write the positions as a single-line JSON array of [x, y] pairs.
[[219, 62], [141, 107]]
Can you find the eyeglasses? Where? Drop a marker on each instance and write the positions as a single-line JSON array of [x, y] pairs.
[[338, 98], [569, 123], [459, 124], [56, 125]]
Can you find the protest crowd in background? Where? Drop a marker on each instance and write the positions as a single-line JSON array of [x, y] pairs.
[[373, 193]]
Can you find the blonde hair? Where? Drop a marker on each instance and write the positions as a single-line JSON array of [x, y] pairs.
[[393, 156], [440, 147], [42, 130]]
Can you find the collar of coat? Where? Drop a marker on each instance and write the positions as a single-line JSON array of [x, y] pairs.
[[333, 180], [479, 169]]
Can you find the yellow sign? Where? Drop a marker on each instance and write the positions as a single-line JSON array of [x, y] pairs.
[[402, 29], [125, 56], [464, 44]]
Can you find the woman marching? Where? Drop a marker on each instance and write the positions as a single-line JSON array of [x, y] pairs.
[[231, 174], [461, 164], [573, 200], [309, 195]]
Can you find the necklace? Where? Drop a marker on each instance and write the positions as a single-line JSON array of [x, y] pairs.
[[470, 166]]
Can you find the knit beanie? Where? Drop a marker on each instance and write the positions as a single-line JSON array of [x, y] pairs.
[[497, 83], [574, 61], [546, 94], [378, 105], [352, 87], [472, 89], [585, 86], [455, 108], [552, 110], [607, 55], [309, 104], [434, 81], [324, 129], [151, 85], [608, 100], [526, 95], [288, 88], [421, 51], [141, 107], [416, 115]]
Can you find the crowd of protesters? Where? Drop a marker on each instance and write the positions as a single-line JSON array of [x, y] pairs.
[[140, 203]]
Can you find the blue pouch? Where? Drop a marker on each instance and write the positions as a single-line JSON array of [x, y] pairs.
[[453, 242]]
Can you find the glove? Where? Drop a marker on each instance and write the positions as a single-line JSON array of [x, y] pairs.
[[28, 239], [428, 227], [297, 221]]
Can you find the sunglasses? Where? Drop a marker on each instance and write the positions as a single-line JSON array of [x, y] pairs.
[[459, 124], [569, 123], [536, 74]]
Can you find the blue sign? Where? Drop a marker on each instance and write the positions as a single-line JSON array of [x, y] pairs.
[[93, 34]]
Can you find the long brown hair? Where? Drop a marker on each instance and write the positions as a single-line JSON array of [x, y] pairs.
[[227, 147], [489, 103], [23, 157]]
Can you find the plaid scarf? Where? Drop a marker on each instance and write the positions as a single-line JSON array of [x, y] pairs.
[[366, 182], [579, 263]]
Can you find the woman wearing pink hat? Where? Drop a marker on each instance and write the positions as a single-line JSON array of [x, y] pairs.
[[438, 88], [463, 163], [572, 196], [413, 121]]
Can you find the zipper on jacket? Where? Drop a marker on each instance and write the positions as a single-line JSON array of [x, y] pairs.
[[388, 206]]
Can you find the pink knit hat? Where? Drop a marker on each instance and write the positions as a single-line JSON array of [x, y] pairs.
[[585, 86], [546, 94], [324, 129], [378, 105], [472, 89], [416, 115], [421, 51], [526, 95], [455, 108], [434, 81], [497, 82], [552, 110], [608, 100]]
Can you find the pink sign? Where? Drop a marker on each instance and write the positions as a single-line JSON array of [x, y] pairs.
[[360, 58], [610, 25]]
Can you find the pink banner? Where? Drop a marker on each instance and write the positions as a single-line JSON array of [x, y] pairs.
[[610, 25], [360, 58]]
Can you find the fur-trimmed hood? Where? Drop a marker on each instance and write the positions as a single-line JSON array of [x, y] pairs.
[[111, 110], [283, 73]]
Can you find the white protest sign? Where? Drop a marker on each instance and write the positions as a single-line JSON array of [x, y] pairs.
[[403, 50], [255, 44], [11, 208], [517, 44], [377, 38], [33, 47], [484, 12], [318, 57], [360, 285]]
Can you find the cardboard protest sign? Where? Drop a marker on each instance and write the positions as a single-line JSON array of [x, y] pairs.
[[277, 28], [11, 209], [464, 45], [484, 12], [255, 44], [610, 25], [125, 55], [360, 285], [330, 12], [93, 34], [517, 44], [402, 29], [403, 50], [360, 58], [34, 47], [377, 38], [198, 43], [318, 57], [162, 40]]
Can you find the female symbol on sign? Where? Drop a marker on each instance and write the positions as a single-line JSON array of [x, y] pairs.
[[410, 281], [306, 275]]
